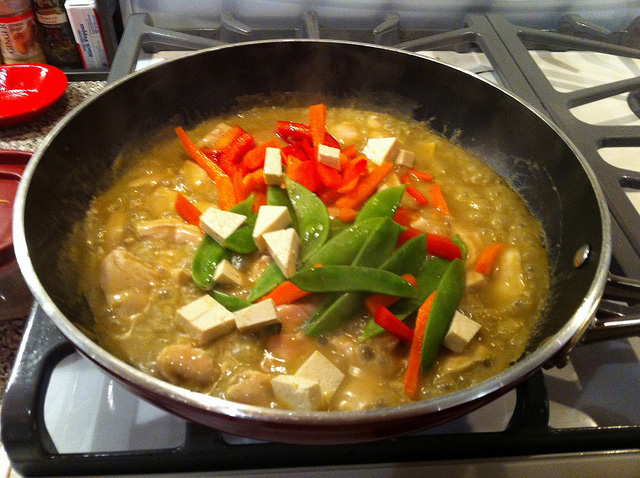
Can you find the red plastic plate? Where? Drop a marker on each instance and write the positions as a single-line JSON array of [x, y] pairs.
[[27, 90], [12, 164]]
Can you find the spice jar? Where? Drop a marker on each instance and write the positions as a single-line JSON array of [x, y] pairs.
[[18, 33], [56, 34]]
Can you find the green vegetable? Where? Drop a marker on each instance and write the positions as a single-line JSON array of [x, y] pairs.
[[270, 278], [384, 203], [428, 278], [228, 301], [312, 218], [276, 196], [460, 243], [205, 261], [447, 299], [241, 240]]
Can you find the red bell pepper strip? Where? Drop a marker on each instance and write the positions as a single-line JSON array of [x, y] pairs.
[[392, 324], [420, 174], [405, 216], [442, 246], [226, 193], [303, 172], [237, 149], [420, 198], [329, 176], [366, 188], [291, 132], [350, 151], [188, 211], [254, 158]]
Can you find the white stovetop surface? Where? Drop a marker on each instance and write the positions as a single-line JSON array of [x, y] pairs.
[[599, 387]]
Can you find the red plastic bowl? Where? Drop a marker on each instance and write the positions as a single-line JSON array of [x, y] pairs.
[[27, 90]]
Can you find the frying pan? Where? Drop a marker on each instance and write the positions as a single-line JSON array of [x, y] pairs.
[[513, 139]]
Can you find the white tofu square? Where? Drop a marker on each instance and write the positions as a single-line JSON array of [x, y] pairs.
[[205, 319], [273, 166], [214, 135], [380, 150], [257, 315], [225, 273], [406, 158], [329, 156], [283, 246], [297, 393], [460, 333], [220, 224], [270, 218], [319, 368]]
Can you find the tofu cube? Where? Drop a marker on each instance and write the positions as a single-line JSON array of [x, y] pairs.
[[319, 368], [297, 393], [329, 156], [205, 319], [283, 246], [257, 315], [225, 273], [460, 333], [273, 166], [406, 158], [220, 224], [270, 218], [214, 135], [380, 150]]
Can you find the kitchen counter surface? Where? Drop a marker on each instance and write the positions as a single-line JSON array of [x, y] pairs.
[[27, 137]]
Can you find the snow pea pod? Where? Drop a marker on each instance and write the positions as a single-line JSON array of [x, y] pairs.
[[229, 302], [312, 218], [447, 299], [276, 196], [208, 255], [384, 203], [428, 278], [268, 280], [241, 240]]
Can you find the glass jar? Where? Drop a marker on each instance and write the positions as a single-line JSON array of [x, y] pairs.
[[56, 35], [18, 33]]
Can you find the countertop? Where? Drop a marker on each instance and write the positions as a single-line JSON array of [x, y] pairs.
[[27, 137]]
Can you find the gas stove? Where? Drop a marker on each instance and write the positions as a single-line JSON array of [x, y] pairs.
[[69, 418]]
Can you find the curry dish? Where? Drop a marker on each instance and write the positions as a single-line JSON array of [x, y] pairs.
[[151, 274]]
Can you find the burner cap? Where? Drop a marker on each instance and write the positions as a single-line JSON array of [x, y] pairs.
[[12, 164]]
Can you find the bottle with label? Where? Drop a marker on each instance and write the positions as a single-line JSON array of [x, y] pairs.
[[18, 33], [56, 35]]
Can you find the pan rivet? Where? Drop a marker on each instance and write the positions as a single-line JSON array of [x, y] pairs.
[[581, 256]]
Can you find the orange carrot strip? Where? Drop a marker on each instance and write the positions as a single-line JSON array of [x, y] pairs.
[[412, 376], [350, 151], [420, 174], [374, 301], [254, 158], [226, 193], [366, 188], [420, 198], [286, 293], [260, 200], [317, 120], [439, 201], [188, 211], [347, 214], [405, 216], [488, 258]]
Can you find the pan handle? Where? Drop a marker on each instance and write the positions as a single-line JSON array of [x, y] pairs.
[[618, 313]]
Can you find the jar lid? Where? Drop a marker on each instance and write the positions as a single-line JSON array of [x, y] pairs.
[[12, 164]]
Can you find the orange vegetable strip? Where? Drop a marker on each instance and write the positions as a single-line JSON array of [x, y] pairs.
[[286, 293], [188, 211], [366, 188], [405, 216], [349, 186], [317, 120], [420, 198], [226, 139], [439, 201], [350, 151], [254, 158], [420, 174], [260, 200], [412, 376], [347, 214], [488, 258], [226, 193], [374, 301]]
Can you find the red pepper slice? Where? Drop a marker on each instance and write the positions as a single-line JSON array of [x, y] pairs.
[[291, 132], [442, 246], [392, 324]]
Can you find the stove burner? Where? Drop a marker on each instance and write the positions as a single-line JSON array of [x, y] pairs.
[[633, 100]]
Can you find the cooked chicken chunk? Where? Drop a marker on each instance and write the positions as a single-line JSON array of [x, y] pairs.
[[186, 365]]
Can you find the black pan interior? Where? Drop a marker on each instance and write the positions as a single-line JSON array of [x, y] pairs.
[[507, 135]]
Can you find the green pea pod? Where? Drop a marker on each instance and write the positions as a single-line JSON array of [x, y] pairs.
[[353, 278], [270, 278], [428, 278], [276, 196], [460, 243], [241, 240], [338, 308], [447, 299], [384, 203], [312, 217], [344, 246], [208, 255], [244, 207], [229, 302]]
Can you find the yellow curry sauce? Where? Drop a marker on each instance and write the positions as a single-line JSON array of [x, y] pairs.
[[134, 253]]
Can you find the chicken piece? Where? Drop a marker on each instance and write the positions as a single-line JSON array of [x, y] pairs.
[[160, 201], [251, 387], [186, 365], [114, 230], [169, 230], [458, 363], [508, 281], [195, 178], [345, 132], [126, 280]]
